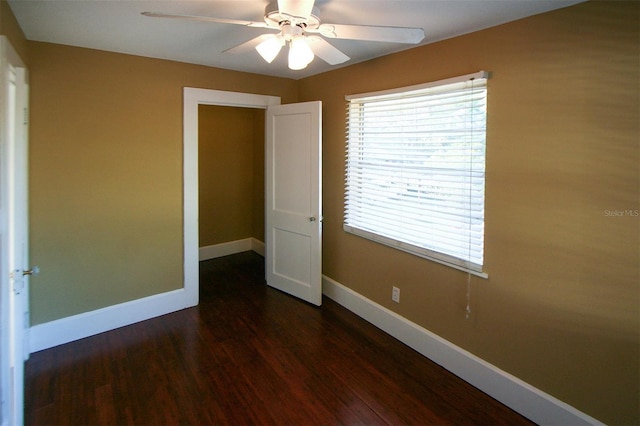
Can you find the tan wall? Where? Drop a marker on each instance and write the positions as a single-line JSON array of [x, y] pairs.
[[258, 224], [560, 307], [106, 173], [9, 27], [231, 169]]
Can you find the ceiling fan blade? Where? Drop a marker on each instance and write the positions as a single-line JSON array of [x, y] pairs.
[[248, 45], [325, 51], [207, 19], [372, 33], [300, 9]]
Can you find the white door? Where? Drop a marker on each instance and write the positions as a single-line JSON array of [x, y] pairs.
[[293, 200], [14, 272]]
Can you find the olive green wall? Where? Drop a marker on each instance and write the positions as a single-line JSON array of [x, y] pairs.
[[231, 174], [106, 173], [560, 307], [258, 221]]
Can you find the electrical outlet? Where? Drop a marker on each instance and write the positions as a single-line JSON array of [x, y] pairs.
[[395, 294]]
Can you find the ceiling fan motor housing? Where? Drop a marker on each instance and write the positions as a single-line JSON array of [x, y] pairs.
[[275, 19], [290, 31]]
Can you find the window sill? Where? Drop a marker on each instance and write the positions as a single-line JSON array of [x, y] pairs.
[[407, 248]]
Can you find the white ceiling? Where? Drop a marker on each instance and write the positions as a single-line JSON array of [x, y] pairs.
[[118, 26]]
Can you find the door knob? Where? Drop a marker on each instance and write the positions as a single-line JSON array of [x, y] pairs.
[[312, 219]]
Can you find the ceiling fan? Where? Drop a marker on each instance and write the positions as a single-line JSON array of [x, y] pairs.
[[297, 24]]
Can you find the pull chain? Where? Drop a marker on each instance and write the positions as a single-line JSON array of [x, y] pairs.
[[468, 309]]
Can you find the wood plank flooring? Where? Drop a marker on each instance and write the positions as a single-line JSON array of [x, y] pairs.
[[249, 354]]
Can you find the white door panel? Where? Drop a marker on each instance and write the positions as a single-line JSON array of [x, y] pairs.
[[293, 200], [291, 164]]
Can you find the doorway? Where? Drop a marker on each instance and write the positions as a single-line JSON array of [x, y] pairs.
[[293, 206], [193, 98], [231, 180]]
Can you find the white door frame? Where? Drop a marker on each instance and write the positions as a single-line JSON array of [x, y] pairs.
[[14, 287], [192, 97]]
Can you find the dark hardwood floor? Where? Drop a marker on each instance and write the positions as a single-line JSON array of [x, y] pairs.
[[248, 354]]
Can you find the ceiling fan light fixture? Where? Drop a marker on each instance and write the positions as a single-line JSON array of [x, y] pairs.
[[300, 54], [270, 48]]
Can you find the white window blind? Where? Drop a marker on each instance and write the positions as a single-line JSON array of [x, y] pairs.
[[416, 169]]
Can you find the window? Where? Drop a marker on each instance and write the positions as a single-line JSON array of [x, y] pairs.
[[416, 169]]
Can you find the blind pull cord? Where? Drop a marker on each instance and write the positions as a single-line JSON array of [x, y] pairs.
[[468, 309]]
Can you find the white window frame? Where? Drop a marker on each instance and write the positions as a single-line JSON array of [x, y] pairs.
[[362, 132]]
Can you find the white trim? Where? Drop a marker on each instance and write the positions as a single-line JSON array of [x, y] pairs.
[[257, 246], [516, 394], [224, 249], [231, 247], [190, 195], [65, 330], [233, 99]]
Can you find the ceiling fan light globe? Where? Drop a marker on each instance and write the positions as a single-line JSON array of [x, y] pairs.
[[300, 54], [270, 48]]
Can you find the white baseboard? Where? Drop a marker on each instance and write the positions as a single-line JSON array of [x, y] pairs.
[[65, 330], [516, 394], [257, 246], [231, 247]]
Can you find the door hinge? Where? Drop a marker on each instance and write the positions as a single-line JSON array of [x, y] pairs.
[[17, 277], [26, 116], [18, 282]]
